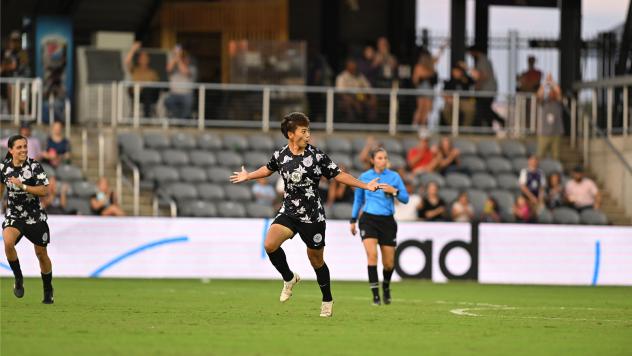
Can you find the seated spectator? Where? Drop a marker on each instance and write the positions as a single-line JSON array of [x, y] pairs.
[[55, 203], [432, 207], [522, 210], [356, 107], [581, 192], [408, 212], [57, 146], [422, 158], [532, 183], [264, 193], [367, 65], [33, 144], [338, 192], [365, 155], [462, 209], [182, 74], [554, 192], [491, 211], [448, 157], [103, 202], [459, 81], [140, 71]]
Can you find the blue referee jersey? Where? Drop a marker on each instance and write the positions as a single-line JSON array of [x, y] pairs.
[[378, 202]]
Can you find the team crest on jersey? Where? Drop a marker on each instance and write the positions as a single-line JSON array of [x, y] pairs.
[[308, 161], [27, 174], [318, 238]]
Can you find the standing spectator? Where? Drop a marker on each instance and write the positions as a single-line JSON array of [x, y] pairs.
[[408, 211], [425, 78], [448, 157], [532, 183], [551, 125], [386, 61], [462, 209], [522, 210], [182, 74], [485, 80], [581, 192], [264, 193], [34, 147], [15, 63], [55, 202], [367, 65], [432, 207], [103, 202], [57, 146], [357, 107], [142, 72], [459, 81], [422, 158], [554, 192], [529, 80], [491, 211]]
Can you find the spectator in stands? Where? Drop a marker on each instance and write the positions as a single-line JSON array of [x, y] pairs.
[[424, 77], [57, 146], [141, 71], [357, 107], [338, 192], [462, 209], [581, 192], [529, 80], [15, 63], [264, 193], [422, 158], [386, 61], [365, 155], [368, 66], [532, 183], [554, 192], [459, 81], [551, 124], [491, 211], [408, 211], [485, 80], [448, 157], [103, 202], [55, 203], [432, 207], [34, 147], [182, 74], [522, 210]]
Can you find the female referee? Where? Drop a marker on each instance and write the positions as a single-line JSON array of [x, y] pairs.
[[377, 225], [301, 166], [26, 181]]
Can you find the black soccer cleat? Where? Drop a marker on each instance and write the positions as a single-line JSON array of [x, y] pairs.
[[376, 300], [387, 296], [18, 288], [48, 297]]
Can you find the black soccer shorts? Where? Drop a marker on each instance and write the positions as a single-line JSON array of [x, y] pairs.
[[380, 227], [37, 233], [312, 234]]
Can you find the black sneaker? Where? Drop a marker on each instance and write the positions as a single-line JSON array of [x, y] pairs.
[[387, 296], [376, 300], [18, 288], [48, 297]]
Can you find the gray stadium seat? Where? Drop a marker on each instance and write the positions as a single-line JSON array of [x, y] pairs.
[[483, 181], [261, 143], [397, 162], [162, 174], [280, 141], [466, 146], [175, 158], [448, 195], [545, 217], [69, 173], [342, 211], [338, 144], [181, 192], [197, 208], [409, 143], [209, 141], [80, 205], [593, 217], [257, 159], [329, 213], [458, 181], [129, 142], [426, 178], [50, 171], [157, 141], [504, 198], [513, 148], [392, 146], [83, 189], [192, 174], [358, 144], [183, 141], [508, 181], [235, 192], [147, 158], [477, 198], [231, 209], [202, 158], [532, 148], [519, 164], [235, 143], [473, 164], [211, 192], [565, 215], [342, 159], [489, 148], [358, 164], [260, 211], [230, 159], [548, 166], [498, 165], [219, 174]]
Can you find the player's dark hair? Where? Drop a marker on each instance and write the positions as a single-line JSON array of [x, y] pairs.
[[293, 120], [375, 151], [11, 143]]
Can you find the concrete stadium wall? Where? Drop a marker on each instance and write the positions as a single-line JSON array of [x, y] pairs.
[[610, 171]]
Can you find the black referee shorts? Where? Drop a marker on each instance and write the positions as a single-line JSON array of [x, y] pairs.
[[37, 233], [380, 227], [312, 234]]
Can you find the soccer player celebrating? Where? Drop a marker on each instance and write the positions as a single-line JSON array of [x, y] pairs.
[[26, 181], [301, 166], [377, 225]]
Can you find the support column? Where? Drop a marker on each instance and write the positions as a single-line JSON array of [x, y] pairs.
[[457, 31], [570, 43], [481, 24]]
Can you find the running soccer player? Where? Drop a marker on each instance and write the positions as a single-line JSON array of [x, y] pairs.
[[377, 225], [301, 166], [26, 181]]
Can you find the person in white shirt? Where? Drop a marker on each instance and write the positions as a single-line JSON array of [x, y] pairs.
[[581, 192], [357, 106]]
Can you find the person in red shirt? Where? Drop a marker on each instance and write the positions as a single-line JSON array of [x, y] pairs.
[[422, 158]]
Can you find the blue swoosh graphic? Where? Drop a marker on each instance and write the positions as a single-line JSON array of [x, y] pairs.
[[266, 226], [597, 262], [135, 251], [5, 266]]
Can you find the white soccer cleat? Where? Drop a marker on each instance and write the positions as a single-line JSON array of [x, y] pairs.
[[286, 292], [327, 309]]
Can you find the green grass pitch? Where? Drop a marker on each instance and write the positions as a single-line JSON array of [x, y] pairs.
[[225, 317]]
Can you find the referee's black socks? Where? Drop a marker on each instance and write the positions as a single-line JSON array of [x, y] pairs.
[[387, 278], [373, 281], [17, 271], [279, 261], [47, 279], [324, 282]]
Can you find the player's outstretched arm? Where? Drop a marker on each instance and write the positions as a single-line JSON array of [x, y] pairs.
[[244, 176], [348, 179]]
